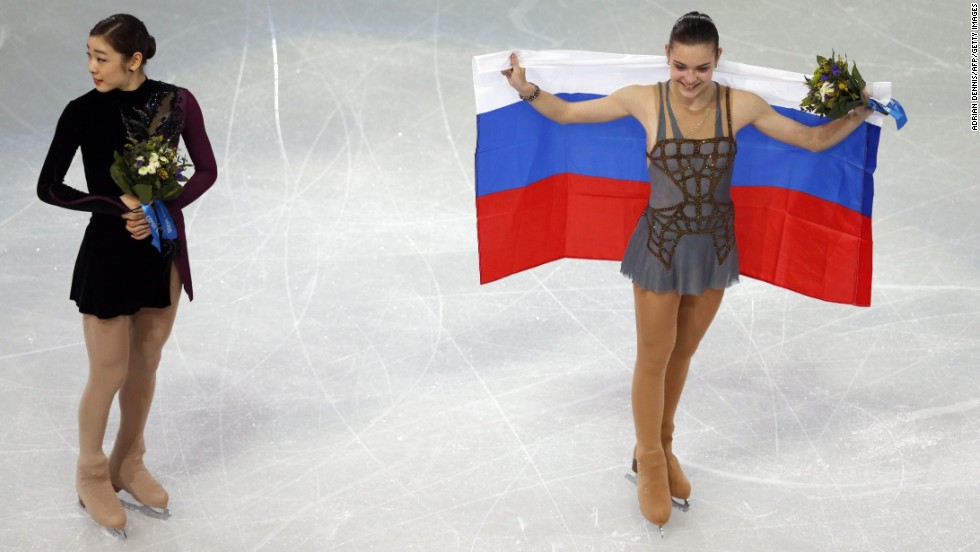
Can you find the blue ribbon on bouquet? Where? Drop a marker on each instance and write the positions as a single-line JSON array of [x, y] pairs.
[[892, 108], [161, 223]]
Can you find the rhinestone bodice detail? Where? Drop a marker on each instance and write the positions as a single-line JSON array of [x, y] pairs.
[[690, 181]]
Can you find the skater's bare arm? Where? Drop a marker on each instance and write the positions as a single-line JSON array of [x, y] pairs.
[[614, 106]]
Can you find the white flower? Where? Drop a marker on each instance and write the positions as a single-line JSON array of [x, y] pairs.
[[826, 89], [143, 171]]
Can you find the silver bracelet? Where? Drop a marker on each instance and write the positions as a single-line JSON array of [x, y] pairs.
[[537, 90]]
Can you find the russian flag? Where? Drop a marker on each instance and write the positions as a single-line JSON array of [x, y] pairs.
[[546, 191]]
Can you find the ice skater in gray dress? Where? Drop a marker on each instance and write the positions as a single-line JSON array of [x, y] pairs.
[[682, 254]]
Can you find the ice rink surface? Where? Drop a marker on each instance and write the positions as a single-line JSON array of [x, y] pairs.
[[343, 382]]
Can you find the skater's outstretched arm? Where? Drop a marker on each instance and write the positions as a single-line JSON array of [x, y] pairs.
[[617, 105]]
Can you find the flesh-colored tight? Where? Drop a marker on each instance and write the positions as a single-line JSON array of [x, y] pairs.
[[123, 354], [669, 328]]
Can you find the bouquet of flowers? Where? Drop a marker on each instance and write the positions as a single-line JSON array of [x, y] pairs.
[[835, 88], [151, 170]]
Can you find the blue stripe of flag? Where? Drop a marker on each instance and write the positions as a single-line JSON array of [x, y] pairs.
[[517, 147], [841, 174]]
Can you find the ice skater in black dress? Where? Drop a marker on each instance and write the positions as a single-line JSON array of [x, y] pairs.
[[126, 290]]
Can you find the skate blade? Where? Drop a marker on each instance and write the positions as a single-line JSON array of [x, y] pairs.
[[111, 531], [158, 513], [116, 533], [682, 506]]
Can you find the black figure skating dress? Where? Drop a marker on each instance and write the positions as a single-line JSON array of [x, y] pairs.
[[115, 274]]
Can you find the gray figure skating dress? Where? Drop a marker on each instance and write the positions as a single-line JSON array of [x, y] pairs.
[[685, 239]]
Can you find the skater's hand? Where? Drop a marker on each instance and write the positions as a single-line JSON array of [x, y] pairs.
[[516, 78], [136, 223]]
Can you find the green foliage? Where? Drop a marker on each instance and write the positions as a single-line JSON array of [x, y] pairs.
[[834, 89], [149, 169]]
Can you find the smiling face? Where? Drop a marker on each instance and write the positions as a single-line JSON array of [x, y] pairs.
[[111, 70], [691, 68]]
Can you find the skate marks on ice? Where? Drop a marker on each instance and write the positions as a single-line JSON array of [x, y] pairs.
[[342, 382]]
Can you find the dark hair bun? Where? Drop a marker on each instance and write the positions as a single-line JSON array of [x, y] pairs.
[[151, 47], [126, 34], [694, 28], [695, 14]]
